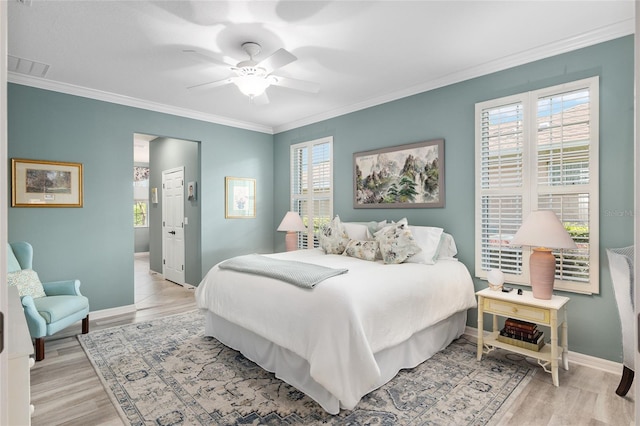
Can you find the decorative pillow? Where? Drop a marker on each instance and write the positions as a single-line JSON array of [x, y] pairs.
[[27, 282], [376, 226], [333, 237], [357, 231], [448, 249], [365, 250], [428, 239], [396, 243]]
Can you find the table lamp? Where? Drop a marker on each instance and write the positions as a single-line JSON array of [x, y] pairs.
[[291, 224], [543, 231], [496, 279]]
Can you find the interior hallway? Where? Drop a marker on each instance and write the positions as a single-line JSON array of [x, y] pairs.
[[151, 290]]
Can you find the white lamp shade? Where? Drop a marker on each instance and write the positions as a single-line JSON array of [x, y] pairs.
[[292, 223], [542, 228], [495, 277]]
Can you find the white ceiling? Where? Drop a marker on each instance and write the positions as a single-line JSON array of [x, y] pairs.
[[361, 53]]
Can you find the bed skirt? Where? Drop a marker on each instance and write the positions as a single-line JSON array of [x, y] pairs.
[[294, 370]]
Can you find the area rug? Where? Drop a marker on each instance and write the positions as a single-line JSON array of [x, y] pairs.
[[166, 372]]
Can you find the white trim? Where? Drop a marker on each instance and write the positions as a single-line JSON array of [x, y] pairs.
[[310, 196], [530, 189], [100, 95], [600, 35], [5, 386], [574, 357], [112, 312]]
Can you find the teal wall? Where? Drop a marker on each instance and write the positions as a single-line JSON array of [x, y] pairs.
[[448, 113], [95, 243]]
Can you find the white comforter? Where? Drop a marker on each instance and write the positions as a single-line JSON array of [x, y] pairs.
[[340, 324]]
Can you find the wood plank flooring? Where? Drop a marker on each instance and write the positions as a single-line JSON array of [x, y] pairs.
[[66, 390]]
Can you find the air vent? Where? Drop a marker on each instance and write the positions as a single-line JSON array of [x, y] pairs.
[[28, 67]]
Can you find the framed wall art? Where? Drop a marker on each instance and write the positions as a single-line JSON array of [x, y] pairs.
[[192, 191], [240, 198], [403, 176], [40, 183]]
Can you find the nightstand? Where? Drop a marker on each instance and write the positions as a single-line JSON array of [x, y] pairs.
[[552, 313]]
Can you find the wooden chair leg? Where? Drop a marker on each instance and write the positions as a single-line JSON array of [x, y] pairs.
[[85, 325], [625, 381], [39, 346]]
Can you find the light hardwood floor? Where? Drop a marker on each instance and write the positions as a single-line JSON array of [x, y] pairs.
[[66, 390]]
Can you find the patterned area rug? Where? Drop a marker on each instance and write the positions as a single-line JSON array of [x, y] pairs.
[[165, 372]]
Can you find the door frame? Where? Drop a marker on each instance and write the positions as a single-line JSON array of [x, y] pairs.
[[4, 210]]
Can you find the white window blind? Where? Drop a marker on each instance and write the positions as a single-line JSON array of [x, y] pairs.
[[312, 186], [539, 151]]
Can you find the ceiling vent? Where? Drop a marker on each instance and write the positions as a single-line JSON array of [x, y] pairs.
[[28, 67]]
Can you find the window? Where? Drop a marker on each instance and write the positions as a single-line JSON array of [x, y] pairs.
[[312, 186], [140, 196], [539, 151], [140, 214]]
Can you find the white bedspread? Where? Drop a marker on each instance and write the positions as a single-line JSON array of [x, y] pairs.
[[340, 324]]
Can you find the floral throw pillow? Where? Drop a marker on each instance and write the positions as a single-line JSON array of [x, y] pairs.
[[27, 282], [333, 237], [365, 250], [396, 243]]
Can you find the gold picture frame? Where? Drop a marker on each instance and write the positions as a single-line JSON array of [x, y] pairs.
[[42, 183], [239, 198]]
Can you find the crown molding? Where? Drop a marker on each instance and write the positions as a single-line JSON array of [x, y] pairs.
[[600, 35], [100, 95]]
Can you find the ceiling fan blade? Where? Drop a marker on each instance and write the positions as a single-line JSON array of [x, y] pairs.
[[291, 83], [278, 59], [208, 57], [260, 100], [212, 84]]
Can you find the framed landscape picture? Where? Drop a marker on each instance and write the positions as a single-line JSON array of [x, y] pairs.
[[240, 198], [404, 176], [41, 183]]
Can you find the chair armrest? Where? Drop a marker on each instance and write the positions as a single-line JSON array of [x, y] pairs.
[[37, 325], [62, 288]]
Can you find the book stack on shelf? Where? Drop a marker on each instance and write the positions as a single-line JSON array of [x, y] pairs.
[[522, 334]]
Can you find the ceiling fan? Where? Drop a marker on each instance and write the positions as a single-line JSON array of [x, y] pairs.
[[253, 78]]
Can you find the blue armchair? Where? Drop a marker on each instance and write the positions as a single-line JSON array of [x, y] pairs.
[[61, 306]]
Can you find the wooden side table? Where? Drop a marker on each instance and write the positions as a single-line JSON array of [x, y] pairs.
[[552, 313]]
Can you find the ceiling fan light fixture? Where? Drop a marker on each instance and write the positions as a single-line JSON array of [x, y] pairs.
[[252, 85]]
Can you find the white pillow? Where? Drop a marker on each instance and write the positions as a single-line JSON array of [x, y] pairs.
[[396, 243], [357, 231], [428, 239], [448, 249], [333, 237]]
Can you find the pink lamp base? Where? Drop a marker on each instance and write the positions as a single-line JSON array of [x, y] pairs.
[[291, 241], [543, 272]]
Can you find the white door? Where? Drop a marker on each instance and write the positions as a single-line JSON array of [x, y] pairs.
[[636, 241], [173, 225], [4, 382]]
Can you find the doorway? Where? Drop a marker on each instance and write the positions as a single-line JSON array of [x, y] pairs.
[[159, 154]]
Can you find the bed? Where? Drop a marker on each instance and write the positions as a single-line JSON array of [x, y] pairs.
[[348, 335]]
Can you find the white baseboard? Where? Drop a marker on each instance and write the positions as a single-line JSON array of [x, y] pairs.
[[574, 357], [111, 312]]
